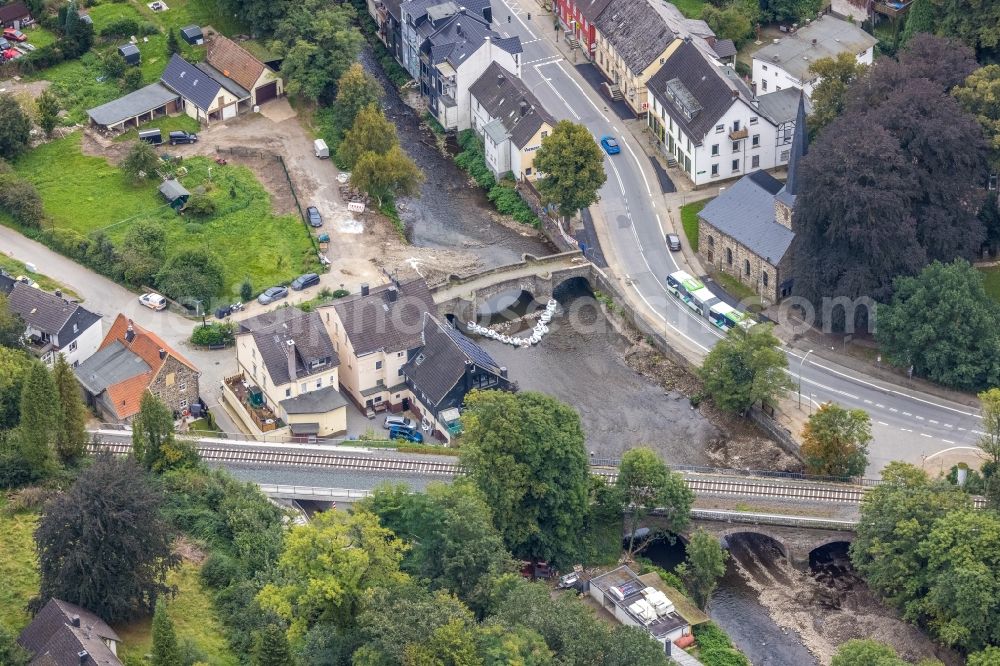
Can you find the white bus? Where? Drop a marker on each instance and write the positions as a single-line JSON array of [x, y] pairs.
[[692, 291], [726, 317]]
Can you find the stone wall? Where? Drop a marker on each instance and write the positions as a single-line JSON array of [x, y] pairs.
[[175, 382], [714, 248]]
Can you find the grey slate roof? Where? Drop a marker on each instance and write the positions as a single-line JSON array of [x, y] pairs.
[[6, 283], [51, 637], [800, 148], [502, 97], [496, 131], [781, 106], [319, 401], [745, 211], [173, 190], [224, 81], [796, 53], [50, 313], [312, 344], [636, 31], [591, 9], [109, 366], [13, 11], [190, 82], [457, 37], [443, 360], [724, 48], [192, 32], [709, 84], [133, 104], [128, 50], [374, 322]]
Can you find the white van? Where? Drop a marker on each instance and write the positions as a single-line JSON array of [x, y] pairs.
[[321, 149]]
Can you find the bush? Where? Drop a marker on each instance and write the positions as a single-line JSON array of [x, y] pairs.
[[219, 571], [340, 293], [509, 202], [246, 290], [473, 161], [715, 648], [213, 334], [20, 198], [31, 498], [200, 206]]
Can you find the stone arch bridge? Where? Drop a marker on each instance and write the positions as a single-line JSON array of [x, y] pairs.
[[796, 543], [460, 296]]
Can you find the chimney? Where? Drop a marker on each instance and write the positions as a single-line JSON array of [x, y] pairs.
[[735, 93], [129, 332], [58, 293], [84, 656], [163, 354], [524, 108], [814, 42], [75, 620], [500, 80], [293, 373], [488, 14], [364, 289], [458, 28], [392, 294], [503, 372]]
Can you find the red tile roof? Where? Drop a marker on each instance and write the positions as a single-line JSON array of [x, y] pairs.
[[234, 61]]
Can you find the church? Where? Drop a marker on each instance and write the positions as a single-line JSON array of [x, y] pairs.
[[746, 231]]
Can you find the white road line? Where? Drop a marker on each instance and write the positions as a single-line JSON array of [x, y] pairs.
[[513, 11], [639, 165], [868, 402], [919, 418], [924, 434], [948, 425], [882, 423], [573, 81], [547, 60], [947, 441], [906, 430], [931, 421], [962, 429], [907, 414], [893, 409], [879, 405], [531, 41], [548, 82]]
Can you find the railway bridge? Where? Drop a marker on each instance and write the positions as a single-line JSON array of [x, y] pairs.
[[459, 296]]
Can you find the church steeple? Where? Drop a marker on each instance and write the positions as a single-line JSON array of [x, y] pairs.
[[800, 146], [784, 200]]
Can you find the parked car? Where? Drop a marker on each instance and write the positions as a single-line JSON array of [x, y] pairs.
[[28, 47], [180, 136], [223, 311], [153, 301], [11, 54], [305, 281], [315, 219], [674, 242], [393, 421], [610, 145], [273, 294], [14, 35], [321, 150], [151, 136], [4, 44], [398, 432]]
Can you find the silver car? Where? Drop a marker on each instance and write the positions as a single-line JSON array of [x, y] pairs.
[[401, 421], [272, 294]]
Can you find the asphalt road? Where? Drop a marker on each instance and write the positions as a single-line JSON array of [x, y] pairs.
[[906, 425]]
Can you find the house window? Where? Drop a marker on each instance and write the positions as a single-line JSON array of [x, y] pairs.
[[303, 387], [719, 129], [746, 266], [319, 383], [527, 172], [378, 365], [183, 403], [182, 386], [736, 165], [763, 85], [288, 393], [736, 126], [711, 241], [253, 352], [729, 256], [755, 161], [715, 170], [736, 146], [400, 372], [764, 67], [72, 346], [710, 256], [753, 120], [254, 369], [784, 155], [763, 277], [715, 150], [377, 399], [755, 141], [544, 134]]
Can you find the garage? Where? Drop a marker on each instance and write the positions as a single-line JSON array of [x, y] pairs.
[[267, 92]]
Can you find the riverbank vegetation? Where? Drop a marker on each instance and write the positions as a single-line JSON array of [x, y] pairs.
[[503, 194]]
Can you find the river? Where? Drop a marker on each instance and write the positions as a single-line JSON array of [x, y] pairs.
[[449, 213]]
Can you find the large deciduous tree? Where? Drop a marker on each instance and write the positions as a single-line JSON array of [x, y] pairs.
[[140, 162], [153, 442], [525, 452], [142, 252], [12, 327], [110, 509], [260, 15], [943, 323], [829, 95], [371, 132], [972, 21], [356, 90], [835, 441], [393, 174], [745, 368], [328, 565], [645, 484], [573, 168], [321, 42], [71, 433], [193, 274], [703, 566], [15, 127], [980, 96], [989, 441], [866, 652]]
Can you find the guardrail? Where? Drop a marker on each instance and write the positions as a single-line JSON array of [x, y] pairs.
[[310, 492], [773, 519]]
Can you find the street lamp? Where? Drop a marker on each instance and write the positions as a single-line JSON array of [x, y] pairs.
[[800, 376]]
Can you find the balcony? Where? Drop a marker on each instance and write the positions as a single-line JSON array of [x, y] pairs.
[[251, 399], [892, 8], [738, 134]]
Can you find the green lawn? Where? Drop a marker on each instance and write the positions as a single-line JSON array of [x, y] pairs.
[[167, 124], [690, 8], [86, 193], [39, 36], [689, 220], [736, 288], [18, 568], [15, 268], [991, 280], [194, 619]]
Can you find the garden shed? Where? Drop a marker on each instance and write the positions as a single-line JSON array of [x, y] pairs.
[[131, 53], [174, 193], [192, 35]]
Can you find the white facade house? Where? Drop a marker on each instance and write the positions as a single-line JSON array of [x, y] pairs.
[[55, 325], [708, 120], [786, 62], [510, 120]]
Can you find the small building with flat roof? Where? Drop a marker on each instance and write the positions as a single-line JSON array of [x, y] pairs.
[[135, 108], [193, 35]]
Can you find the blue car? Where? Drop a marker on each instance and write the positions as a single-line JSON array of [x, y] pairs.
[[610, 145], [409, 434]]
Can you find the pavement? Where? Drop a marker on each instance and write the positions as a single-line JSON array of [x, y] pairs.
[[630, 222]]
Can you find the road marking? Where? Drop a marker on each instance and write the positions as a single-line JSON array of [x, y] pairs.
[[639, 165], [514, 11], [882, 423], [931, 421], [879, 405], [962, 429], [868, 402], [531, 41], [548, 81], [907, 414], [947, 441], [573, 81], [919, 418], [547, 60], [948, 425], [924, 434], [906, 430], [893, 409]]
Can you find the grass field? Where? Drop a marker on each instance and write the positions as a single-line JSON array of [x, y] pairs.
[[991, 280], [167, 124], [690, 8], [85, 193], [689, 220], [15, 268], [194, 620], [735, 288], [18, 568]]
